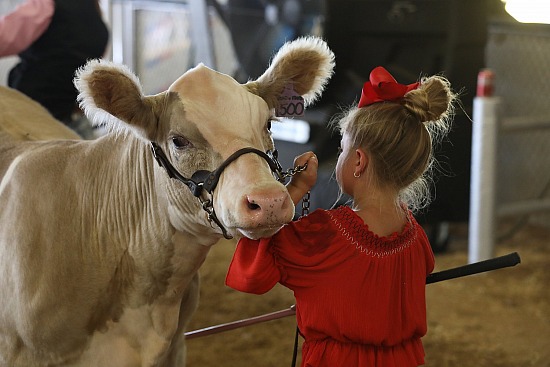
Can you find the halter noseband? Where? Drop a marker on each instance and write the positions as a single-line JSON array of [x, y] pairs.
[[208, 180]]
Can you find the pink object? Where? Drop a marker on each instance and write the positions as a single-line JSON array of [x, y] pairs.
[[20, 28]]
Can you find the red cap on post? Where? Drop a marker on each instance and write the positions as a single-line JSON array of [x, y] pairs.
[[485, 83]]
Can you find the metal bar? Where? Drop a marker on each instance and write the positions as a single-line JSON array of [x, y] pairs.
[[128, 35], [117, 32], [523, 207], [241, 323], [201, 33], [523, 123]]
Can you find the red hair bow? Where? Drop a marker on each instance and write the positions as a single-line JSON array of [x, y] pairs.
[[383, 87]]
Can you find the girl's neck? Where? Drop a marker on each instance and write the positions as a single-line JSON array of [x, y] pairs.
[[381, 213]]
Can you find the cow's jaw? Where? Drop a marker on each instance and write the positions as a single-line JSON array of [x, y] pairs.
[[258, 233]]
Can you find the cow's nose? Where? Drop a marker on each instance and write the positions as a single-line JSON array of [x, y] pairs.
[[268, 206]]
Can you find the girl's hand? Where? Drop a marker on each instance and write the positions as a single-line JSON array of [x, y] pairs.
[[303, 181]]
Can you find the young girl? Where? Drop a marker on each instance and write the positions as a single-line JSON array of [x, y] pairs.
[[359, 273]]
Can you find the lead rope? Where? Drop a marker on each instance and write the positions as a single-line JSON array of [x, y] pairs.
[[295, 351], [305, 211]]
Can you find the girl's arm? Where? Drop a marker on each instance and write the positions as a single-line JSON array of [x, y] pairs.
[[303, 181], [20, 28]]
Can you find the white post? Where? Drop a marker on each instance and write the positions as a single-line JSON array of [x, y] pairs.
[[482, 182]]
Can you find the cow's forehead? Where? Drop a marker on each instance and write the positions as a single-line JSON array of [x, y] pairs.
[[220, 106]]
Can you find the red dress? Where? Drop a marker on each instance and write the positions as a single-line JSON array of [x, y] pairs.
[[360, 298]]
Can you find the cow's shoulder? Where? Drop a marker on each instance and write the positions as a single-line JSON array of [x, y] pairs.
[[25, 161]]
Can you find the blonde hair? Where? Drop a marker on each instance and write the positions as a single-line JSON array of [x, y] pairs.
[[400, 136]]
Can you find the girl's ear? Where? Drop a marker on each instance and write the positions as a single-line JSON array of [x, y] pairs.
[[361, 162]]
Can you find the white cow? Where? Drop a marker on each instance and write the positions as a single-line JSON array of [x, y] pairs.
[[99, 248]]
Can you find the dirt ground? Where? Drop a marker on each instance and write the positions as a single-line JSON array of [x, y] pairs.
[[496, 319]]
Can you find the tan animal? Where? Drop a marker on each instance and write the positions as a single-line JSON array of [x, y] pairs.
[[25, 119], [99, 247]]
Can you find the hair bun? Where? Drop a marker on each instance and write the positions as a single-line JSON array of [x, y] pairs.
[[431, 101]]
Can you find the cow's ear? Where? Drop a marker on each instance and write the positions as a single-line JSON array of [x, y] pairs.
[[111, 94], [306, 63]]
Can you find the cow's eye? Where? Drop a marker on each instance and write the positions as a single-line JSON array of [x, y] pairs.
[[180, 142]]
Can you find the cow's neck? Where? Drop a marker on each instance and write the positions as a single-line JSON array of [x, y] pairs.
[[136, 221]]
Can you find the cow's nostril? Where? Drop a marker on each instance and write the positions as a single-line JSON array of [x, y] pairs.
[[253, 206]]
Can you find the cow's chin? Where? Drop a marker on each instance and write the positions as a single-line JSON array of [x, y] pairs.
[[257, 233]]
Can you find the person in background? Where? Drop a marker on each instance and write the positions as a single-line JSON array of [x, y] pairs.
[[53, 38], [359, 273]]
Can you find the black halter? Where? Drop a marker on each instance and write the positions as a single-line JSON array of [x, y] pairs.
[[208, 180]]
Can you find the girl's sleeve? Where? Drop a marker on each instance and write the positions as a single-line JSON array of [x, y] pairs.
[[428, 252], [20, 28], [253, 268], [291, 257]]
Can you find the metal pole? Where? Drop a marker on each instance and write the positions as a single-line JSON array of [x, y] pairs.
[[201, 33], [240, 323]]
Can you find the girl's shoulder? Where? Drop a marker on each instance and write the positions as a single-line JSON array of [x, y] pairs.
[[321, 221], [315, 231], [357, 233]]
